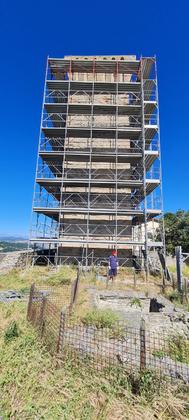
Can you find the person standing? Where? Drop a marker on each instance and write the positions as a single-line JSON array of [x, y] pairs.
[[113, 265]]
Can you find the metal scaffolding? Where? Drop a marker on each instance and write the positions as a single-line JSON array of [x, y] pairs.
[[98, 177]]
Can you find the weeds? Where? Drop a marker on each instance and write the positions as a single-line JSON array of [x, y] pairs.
[[185, 269], [159, 353], [146, 383], [106, 319], [118, 332], [176, 347], [63, 276], [179, 348], [11, 332], [33, 384], [175, 296], [18, 279], [136, 302], [24, 290], [100, 318], [178, 299]]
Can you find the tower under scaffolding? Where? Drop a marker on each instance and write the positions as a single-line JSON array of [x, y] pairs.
[[98, 176]]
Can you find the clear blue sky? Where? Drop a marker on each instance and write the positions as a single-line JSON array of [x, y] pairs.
[[31, 30]]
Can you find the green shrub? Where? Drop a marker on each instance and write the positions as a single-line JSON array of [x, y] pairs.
[[159, 353], [174, 296], [101, 318], [145, 383], [60, 278], [55, 281], [11, 332], [118, 332], [136, 302], [179, 348], [24, 290], [185, 269], [178, 299], [149, 384]]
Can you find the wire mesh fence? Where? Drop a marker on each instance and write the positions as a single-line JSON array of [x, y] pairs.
[[114, 346]]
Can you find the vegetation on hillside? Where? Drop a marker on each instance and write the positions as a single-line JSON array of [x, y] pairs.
[[177, 231], [100, 318], [12, 246]]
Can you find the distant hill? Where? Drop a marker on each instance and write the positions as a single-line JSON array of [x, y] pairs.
[[13, 238], [10, 246]]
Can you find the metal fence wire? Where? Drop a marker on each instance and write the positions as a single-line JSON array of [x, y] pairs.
[[118, 346]]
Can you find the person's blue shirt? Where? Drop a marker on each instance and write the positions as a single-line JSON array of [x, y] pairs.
[[113, 262]]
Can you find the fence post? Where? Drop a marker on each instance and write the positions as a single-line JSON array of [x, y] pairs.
[[163, 281], [74, 290], [32, 290], [61, 332], [142, 345], [178, 253], [72, 296], [42, 312], [134, 277], [173, 281], [185, 290], [77, 284]]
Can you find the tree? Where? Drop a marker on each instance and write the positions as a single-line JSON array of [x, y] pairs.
[[176, 231]]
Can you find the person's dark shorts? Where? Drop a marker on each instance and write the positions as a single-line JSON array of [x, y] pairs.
[[113, 272]]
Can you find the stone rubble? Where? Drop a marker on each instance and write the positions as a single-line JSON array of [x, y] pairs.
[[10, 260], [158, 312]]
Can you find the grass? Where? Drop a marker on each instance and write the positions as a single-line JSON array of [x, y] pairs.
[[159, 353], [22, 279], [12, 279], [63, 276], [185, 270], [136, 302], [11, 332], [179, 348], [100, 318], [35, 385], [176, 297]]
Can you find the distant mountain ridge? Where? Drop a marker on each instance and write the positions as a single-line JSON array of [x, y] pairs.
[[13, 238]]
